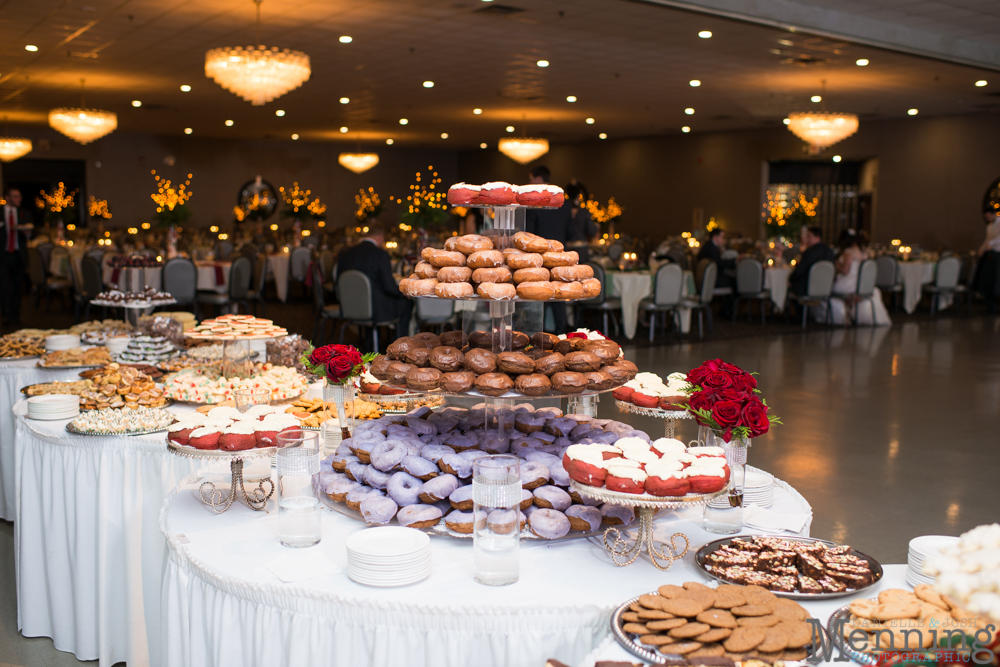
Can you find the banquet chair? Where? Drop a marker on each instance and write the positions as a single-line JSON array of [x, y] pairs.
[[96, 255], [678, 256], [250, 250], [887, 279], [298, 264], [819, 287], [704, 301], [93, 283], [180, 280], [41, 281], [46, 250], [326, 261], [865, 289], [750, 286], [615, 251], [666, 297], [259, 280], [240, 274], [946, 282], [354, 292], [601, 303], [223, 249], [434, 312], [324, 312]]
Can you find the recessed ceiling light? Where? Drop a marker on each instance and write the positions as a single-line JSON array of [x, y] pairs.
[[388, 141], [815, 98], [345, 100], [279, 112], [861, 62], [137, 103], [913, 112], [689, 111], [602, 135], [343, 130], [685, 129], [185, 88], [345, 39], [30, 47], [510, 128], [477, 111], [571, 98], [188, 130], [403, 121], [542, 63], [428, 84], [444, 135], [787, 121], [482, 145], [705, 34], [694, 83], [980, 83], [229, 123], [836, 158], [295, 137], [590, 121], [786, 42]]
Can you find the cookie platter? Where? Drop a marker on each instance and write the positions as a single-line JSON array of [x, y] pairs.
[[74, 430], [703, 554]]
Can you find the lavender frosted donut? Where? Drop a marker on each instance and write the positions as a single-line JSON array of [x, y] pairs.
[[356, 470], [494, 444], [327, 476], [419, 413], [387, 455], [530, 509], [580, 419], [618, 427], [340, 462], [422, 426], [559, 475], [443, 423], [584, 500], [546, 438], [433, 453], [549, 413], [339, 489], [642, 435], [617, 515], [533, 475], [344, 449], [375, 478], [520, 447], [461, 498], [528, 422], [583, 431], [555, 450], [547, 460], [418, 516], [503, 522], [563, 441], [584, 518], [367, 436], [363, 450], [443, 505], [420, 467], [456, 464], [431, 439], [527, 500], [404, 489], [548, 523], [605, 438], [460, 522], [378, 510], [438, 488], [355, 496], [552, 497], [461, 442], [413, 446], [600, 423]]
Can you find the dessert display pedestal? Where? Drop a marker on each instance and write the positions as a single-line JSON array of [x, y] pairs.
[[670, 417], [256, 499]]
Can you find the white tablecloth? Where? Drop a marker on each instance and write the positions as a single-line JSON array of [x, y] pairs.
[[913, 276], [88, 551], [776, 280], [13, 376], [222, 607], [894, 577], [634, 286], [208, 277], [151, 276], [278, 265]]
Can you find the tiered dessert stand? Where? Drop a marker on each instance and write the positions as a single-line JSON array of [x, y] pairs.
[[670, 417], [132, 279], [256, 499]]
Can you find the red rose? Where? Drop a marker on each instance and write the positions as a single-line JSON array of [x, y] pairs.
[[321, 355], [755, 418], [713, 365], [726, 413], [717, 380], [744, 382], [701, 400], [732, 394], [726, 367]]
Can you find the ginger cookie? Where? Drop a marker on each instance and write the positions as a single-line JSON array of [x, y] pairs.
[[759, 621], [775, 640], [685, 607], [728, 600], [713, 635], [799, 633], [767, 657], [717, 618], [708, 651], [927, 593], [689, 630], [670, 591], [630, 617], [635, 628], [703, 596], [695, 586], [863, 608], [651, 601], [896, 594], [656, 640], [794, 654], [654, 615], [668, 624], [636, 607], [758, 595], [744, 639], [895, 610], [751, 610], [789, 609], [681, 648]]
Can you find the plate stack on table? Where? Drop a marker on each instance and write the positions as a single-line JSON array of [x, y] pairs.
[[921, 549], [53, 406], [758, 489], [61, 342], [390, 556]]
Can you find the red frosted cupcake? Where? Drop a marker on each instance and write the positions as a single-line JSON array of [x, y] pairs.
[[624, 393], [496, 194], [531, 195], [238, 437], [585, 464], [206, 437], [666, 478], [625, 479], [463, 194]]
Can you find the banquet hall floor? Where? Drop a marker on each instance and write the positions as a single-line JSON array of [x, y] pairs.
[[889, 433]]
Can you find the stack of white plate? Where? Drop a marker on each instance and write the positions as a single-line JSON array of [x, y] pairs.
[[118, 344], [388, 556], [758, 489], [53, 406], [62, 342], [921, 549]]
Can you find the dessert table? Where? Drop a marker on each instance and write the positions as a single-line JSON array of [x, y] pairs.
[[634, 286], [278, 263], [213, 276], [87, 549], [223, 604]]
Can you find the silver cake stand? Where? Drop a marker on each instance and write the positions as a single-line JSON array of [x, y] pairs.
[[670, 416], [256, 499]]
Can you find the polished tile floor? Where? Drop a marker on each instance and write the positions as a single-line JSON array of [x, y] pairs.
[[889, 433]]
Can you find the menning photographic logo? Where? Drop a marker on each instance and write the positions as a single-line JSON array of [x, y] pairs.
[[905, 639]]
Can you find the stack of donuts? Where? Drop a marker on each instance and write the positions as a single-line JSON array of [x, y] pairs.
[[505, 194], [533, 268], [418, 469], [456, 363]]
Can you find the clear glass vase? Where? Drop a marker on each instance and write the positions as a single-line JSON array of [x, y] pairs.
[[341, 395], [724, 515]]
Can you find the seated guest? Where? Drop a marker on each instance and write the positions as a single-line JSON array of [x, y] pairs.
[[813, 250], [987, 280], [712, 249], [368, 257]]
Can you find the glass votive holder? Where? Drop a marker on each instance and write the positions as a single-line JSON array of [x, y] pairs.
[[299, 508], [247, 398], [496, 495]]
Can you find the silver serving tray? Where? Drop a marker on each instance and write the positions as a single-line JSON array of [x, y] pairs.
[[68, 368], [841, 645], [30, 356], [72, 429], [634, 409], [873, 565]]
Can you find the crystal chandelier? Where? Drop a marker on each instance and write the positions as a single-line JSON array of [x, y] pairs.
[[258, 74], [822, 129], [358, 162], [524, 149], [12, 148], [83, 125]]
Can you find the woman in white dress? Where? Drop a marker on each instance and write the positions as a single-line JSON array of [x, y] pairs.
[[851, 253]]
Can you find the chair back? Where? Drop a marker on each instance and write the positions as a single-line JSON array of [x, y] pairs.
[[821, 279], [699, 269], [708, 282], [93, 282], [180, 279], [667, 286], [317, 280], [354, 293], [326, 260], [435, 310], [867, 276], [678, 256], [615, 252], [946, 275], [46, 250], [888, 271], [250, 250], [749, 276], [240, 274], [298, 264], [96, 255], [36, 267], [601, 276], [260, 274], [223, 249]]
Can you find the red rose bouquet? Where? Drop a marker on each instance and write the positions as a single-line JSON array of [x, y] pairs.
[[337, 363], [725, 398]]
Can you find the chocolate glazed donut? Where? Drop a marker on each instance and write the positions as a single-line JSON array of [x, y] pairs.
[[545, 341], [494, 384], [398, 348], [569, 382], [582, 361], [533, 384], [550, 364], [516, 363], [456, 339], [480, 361], [446, 358]]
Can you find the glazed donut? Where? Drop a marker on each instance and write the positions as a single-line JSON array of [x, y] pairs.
[[453, 290], [441, 258], [524, 260], [529, 423], [480, 361], [616, 515], [484, 259], [531, 275], [500, 274], [533, 384], [354, 497], [425, 270], [418, 356], [533, 475], [423, 379], [552, 497], [503, 522], [420, 467], [463, 194], [404, 489], [536, 291], [419, 516], [567, 290], [338, 489], [375, 478], [582, 361], [433, 453], [377, 510], [515, 363], [584, 518], [461, 498], [607, 350], [385, 456], [555, 246], [356, 470], [553, 258], [550, 364], [569, 382], [496, 194], [340, 461], [396, 374], [471, 243], [451, 243], [494, 384], [497, 291], [458, 382], [460, 522], [568, 274], [438, 488], [446, 359], [398, 348], [591, 288], [453, 274], [548, 523], [454, 464], [531, 243], [416, 287]]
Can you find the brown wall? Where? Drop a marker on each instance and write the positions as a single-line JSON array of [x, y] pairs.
[[932, 173]]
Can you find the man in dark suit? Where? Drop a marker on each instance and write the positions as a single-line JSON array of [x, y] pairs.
[[368, 257], [13, 256], [813, 250], [711, 249], [553, 224]]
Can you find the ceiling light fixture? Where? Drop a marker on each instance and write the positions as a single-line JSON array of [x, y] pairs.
[[345, 100], [137, 103], [689, 111], [523, 149], [258, 74], [836, 158], [477, 111], [83, 125], [590, 121], [980, 83], [705, 34], [821, 129], [602, 135], [483, 145], [861, 62], [358, 162], [185, 88], [694, 83], [428, 84], [913, 112], [510, 128], [30, 47], [346, 39], [816, 99], [188, 130], [229, 123], [786, 121], [12, 148], [279, 113], [295, 136], [542, 63], [343, 130], [389, 142], [403, 121], [685, 129], [571, 98]]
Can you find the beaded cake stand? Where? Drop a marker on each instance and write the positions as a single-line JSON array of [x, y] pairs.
[[256, 499], [670, 417], [646, 506]]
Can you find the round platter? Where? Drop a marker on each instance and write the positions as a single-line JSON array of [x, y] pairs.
[[634, 409], [217, 454], [873, 565], [30, 356], [646, 499], [832, 630], [68, 368], [72, 429]]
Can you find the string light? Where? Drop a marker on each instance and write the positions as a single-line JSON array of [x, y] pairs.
[[168, 197]]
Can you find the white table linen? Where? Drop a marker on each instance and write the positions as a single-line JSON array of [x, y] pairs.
[[634, 286], [88, 551], [913, 276], [278, 265], [776, 280], [894, 577], [223, 606], [152, 276], [207, 276]]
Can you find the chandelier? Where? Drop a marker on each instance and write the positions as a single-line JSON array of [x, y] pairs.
[[524, 149], [358, 162], [12, 148], [822, 129], [83, 125], [258, 74]]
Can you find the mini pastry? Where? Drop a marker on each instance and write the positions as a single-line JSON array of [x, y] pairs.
[[497, 291], [446, 358], [533, 384], [494, 384], [569, 382], [515, 363], [458, 382]]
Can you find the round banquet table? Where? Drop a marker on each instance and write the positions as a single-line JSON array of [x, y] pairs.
[[13, 376], [913, 276], [87, 549], [213, 276], [634, 286], [278, 265], [223, 605]]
